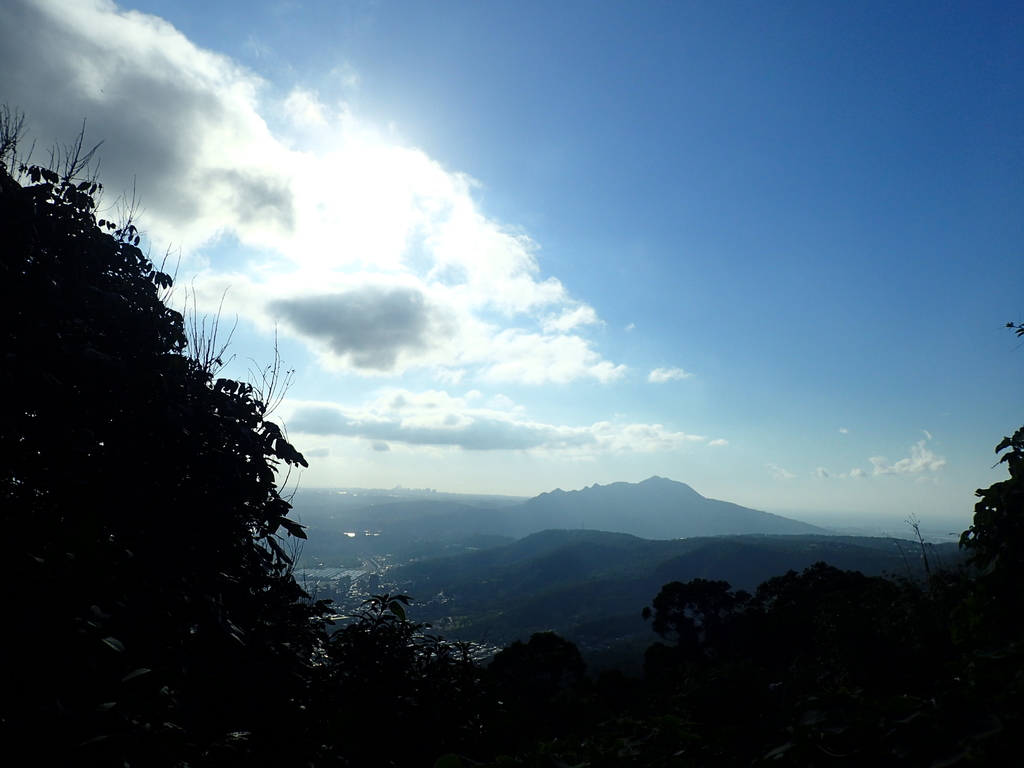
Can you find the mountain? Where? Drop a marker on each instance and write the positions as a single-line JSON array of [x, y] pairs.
[[657, 508], [345, 526]]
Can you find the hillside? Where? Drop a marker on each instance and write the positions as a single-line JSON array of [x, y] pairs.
[[594, 584]]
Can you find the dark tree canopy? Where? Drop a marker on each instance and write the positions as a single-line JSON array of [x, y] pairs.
[[393, 692], [995, 543], [154, 617]]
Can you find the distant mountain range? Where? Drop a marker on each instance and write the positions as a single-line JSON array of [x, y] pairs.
[[583, 563], [657, 508]]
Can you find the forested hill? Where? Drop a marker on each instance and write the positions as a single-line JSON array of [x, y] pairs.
[[591, 582]]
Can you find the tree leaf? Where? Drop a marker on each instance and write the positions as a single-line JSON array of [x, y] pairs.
[[448, 761], [294, 528], [396, 608]]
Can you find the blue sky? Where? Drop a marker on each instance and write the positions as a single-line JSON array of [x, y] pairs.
[[764, 249]]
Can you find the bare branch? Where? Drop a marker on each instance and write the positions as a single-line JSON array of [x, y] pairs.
[[272, 383], [202, 333], [915, 524], [12, 129]]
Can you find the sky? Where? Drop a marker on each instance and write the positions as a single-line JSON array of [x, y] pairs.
[[765, 249]]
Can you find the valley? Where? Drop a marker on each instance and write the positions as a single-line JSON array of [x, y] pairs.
[[492, 570]]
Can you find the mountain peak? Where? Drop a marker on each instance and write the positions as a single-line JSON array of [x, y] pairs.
[[657, 508], [656, 481]]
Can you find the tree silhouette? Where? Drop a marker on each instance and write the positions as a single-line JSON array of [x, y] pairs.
[[696, 616], [995, 544], [538, 685], [153, 617], [394, 694]]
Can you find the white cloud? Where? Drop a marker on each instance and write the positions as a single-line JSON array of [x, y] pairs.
[[369, 252], [180, 120], [823, 473], [304, 109], [844, 431], [661, 375], [570, 318], [778, 473], [435, 418], [503, 403], [921, 459], [718, 442], [515, 355]]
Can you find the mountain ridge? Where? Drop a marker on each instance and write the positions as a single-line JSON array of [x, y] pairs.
[[565, 580], [655, 508]]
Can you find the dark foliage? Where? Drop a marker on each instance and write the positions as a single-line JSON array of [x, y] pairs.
[[391, 694], [995, 546], [697, 616], [152, 617], [541, 690]]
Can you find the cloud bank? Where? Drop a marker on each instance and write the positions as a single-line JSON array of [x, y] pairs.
[[435, 418], [921, 461], [370, 253], [306, 220]]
